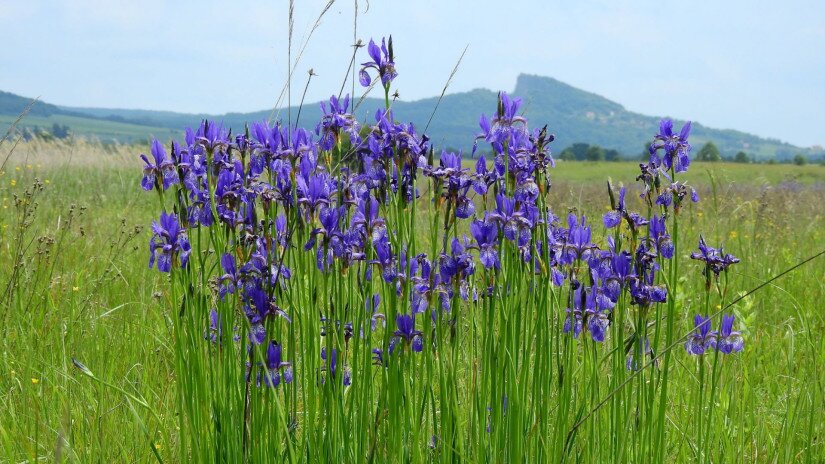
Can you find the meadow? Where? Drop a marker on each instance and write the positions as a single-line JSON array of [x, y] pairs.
[[76, 285]]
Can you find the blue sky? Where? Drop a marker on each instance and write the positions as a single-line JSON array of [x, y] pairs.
[[750, 65]]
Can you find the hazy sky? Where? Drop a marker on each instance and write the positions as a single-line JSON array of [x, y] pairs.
[[751, 65]]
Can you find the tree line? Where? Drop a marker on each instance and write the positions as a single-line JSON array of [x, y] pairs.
[[708, 153]]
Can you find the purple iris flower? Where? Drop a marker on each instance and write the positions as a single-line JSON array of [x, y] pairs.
[[513, 222], [215, 331], [272, 375], [211, 136], [573, 321], [191, 166], [613, 218], [333, 241], [230, 195], [365, 219], [620, 275], [507, 113], [382, 61], [483, 177], [199, 211], [168, 244], [162, 168], [229, 280], [485, 234], [702, 339], [644, 293], [577, 244], [456, 268], [335, 122], [457, 181], [331, 365], [730, 341], [257, 308], [716, 260], [314, 192], [675, 146], [659, 237], [407, 334]]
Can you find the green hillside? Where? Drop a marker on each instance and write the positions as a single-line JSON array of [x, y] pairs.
[[572, 114]]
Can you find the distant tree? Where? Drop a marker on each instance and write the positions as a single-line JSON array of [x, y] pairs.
[[567, 155], [741, 157], [709, 152], [612, 155], [800, 160], [771, 161], [595, 153], [580, 150], [60, 131]]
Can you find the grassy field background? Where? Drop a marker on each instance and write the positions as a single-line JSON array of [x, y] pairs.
[[75, 284]]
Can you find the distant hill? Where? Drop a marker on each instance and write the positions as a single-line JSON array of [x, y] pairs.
[[572, 114]]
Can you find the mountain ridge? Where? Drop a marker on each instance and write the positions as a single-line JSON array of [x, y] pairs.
[[574, 115]]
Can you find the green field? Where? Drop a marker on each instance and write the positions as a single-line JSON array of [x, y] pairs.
[[73, 271], [98, 129]]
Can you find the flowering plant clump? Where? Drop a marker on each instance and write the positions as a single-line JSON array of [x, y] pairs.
[[318, 239]]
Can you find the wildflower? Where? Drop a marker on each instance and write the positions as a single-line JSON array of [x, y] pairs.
[[382, 61], [716, 260], [675, 147], [162, 168], [458, 181], [35, 381], [168, 243], [613, 218], [644, 293], [257, 308], [331, 364], [730, 341], [513, 222], [659, 238], [486, 235], [577, 243], [457, 267], [336, 121], [407, 334], [702, 339], [274, 368], [675, 193], [590, 306]]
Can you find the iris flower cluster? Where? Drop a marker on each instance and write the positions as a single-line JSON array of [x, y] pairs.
[[704, 339], [275, 190]]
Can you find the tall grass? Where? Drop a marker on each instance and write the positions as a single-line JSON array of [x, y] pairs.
[[77, 286]]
